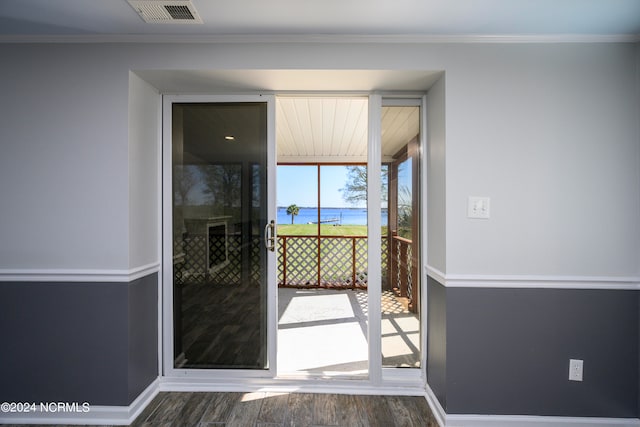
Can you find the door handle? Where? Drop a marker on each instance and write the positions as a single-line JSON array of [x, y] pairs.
[[270, 236]]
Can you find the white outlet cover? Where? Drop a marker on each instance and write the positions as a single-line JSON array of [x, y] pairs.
[[478, 207], [576, 367]]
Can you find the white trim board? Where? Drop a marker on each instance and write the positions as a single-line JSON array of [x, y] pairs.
[[308, 388], [537, 421], [532, 282], [77, 275], [279, 385], [321, 38], [434, 404], [97, 415]]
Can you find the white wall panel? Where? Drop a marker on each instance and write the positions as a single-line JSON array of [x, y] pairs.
[[144, 165], [436, 177], [63, 160], [549, 134]]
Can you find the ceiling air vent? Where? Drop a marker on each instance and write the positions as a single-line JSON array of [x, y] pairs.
[[166, 11]]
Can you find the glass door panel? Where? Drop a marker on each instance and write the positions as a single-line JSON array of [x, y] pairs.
[[322, 270], [219, 215], [400, 322], [322, 264]]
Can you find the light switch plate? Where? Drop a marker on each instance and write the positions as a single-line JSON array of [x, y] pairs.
[[478, 207]]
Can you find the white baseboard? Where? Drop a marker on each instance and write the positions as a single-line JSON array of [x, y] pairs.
[[125, 415], [141, 402], [97, 415], [437, 409], [458, 420], [534, 421]]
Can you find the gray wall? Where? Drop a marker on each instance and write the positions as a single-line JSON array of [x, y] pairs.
[[143, 359], [78, 342], [548, 131], [638, 124], [437, 340], [508, 351]]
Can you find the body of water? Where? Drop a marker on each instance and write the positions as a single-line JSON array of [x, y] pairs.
[[342, 216]]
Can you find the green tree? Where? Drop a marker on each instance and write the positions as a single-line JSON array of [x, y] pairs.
[[405, 212], [354, 191], [293, 210]]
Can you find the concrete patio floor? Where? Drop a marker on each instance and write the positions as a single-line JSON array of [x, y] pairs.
[[323, 332]]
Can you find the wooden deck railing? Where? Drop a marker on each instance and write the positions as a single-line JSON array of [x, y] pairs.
[[403, 270], [307, 262], [341, 262]]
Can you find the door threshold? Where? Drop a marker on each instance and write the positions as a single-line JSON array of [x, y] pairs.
[[329, 376], [289, 385]]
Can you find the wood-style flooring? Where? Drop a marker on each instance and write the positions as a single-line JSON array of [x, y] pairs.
[[173, 409], [222, 326], [284, 409]]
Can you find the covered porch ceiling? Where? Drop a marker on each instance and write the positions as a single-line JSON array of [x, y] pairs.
[[321, 115], [333, 129]]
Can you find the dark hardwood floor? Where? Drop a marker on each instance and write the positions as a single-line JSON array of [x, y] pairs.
[[284, 409]]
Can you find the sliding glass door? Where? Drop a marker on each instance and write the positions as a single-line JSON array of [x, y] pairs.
[[401, 294], [330, 296], [219, 253]]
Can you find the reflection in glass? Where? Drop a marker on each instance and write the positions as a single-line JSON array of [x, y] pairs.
[[405, 199], [401, 346], [219, 211]]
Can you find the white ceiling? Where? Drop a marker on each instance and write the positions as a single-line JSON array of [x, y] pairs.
[[281, 81], [321, 128], [330, 129], [330, 17]]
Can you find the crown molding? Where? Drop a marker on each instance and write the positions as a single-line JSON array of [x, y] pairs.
[[319, 38]]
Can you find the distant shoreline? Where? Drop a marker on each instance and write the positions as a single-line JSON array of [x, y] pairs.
[[323, 207], [338, 216]]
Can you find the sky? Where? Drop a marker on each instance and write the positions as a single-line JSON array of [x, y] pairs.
[[298, 185]]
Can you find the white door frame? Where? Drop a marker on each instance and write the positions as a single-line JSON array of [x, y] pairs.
[[389, 380], [394, 374]]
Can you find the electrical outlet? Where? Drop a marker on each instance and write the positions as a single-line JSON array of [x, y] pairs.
[[575, 369]]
